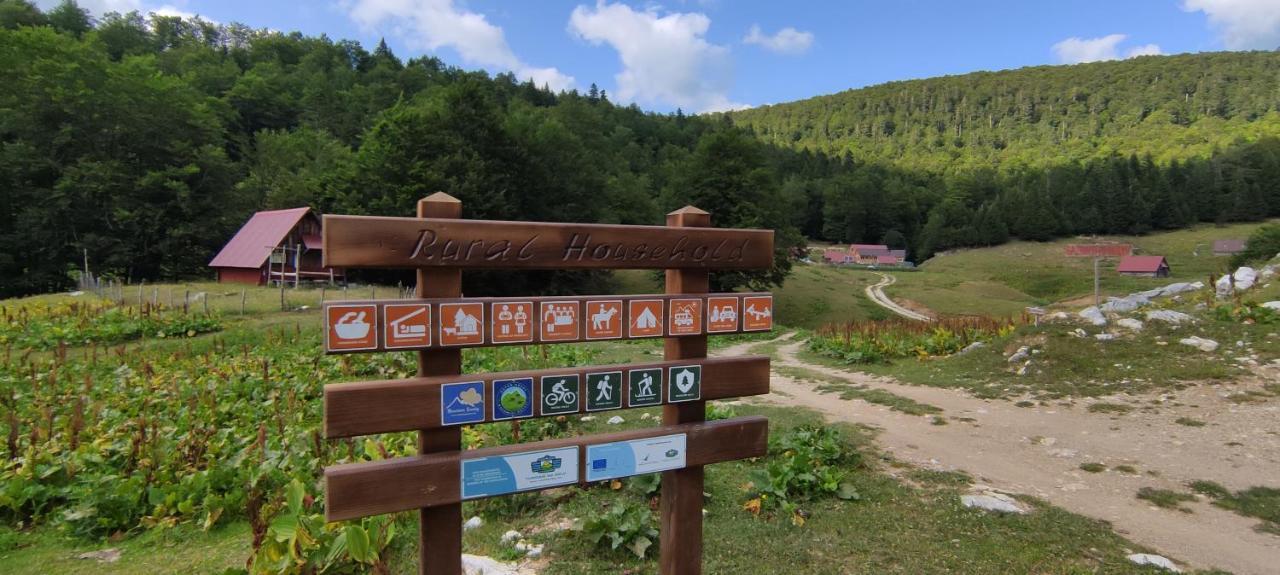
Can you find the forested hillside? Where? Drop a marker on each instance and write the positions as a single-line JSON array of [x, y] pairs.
[[145, 141], [1170, 107]]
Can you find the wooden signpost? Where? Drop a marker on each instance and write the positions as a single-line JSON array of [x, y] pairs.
[[439, 323]]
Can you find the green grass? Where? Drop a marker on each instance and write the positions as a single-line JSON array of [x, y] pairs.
[[1003, 279], [1189, 422], [1258, 502], [184, 549], [848, 391], [1093, 467], [1166, 498], [1111, 408]]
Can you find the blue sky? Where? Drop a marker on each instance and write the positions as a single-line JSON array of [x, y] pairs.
[[720, 54]]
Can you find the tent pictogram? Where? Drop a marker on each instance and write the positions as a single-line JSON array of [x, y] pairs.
[[644, 318]]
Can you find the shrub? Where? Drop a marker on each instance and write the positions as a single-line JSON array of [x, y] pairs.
[[803, 465], [624, 525], [886, 340]]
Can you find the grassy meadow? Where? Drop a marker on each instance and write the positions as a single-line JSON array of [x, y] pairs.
[[177, 450]]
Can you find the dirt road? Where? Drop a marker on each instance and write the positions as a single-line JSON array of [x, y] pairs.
[[1038, 451], [876, 294]]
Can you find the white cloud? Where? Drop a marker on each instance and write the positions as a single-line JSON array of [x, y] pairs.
[[1079, 50], [1242, 24], [435, 24], [666, 59], [787, 41], [1144, 50], [97, 7]]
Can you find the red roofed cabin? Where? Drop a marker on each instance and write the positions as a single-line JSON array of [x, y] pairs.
[[274, 245], [1144, 266]]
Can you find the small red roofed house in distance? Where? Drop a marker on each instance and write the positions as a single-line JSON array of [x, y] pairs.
[[275, 245], [1144, 266]]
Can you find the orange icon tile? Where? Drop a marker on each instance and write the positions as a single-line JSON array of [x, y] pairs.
[[644, 318], [461, 323], [512, 322], [559, 320], [686, 317], [722, 314], [406, 325], [604, 319], [757, 313], [351, 327]]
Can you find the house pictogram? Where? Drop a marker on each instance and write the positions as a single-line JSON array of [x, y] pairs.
[[461, 323]]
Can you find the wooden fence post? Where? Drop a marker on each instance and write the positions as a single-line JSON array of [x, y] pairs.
[[680, 534], [440, 528]]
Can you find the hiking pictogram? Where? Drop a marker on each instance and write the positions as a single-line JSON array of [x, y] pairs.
[[644, 318], [604, 319], [511, 322], [686, 317], [722, 314], [461, 323], [604, 390], [757, 313], [559, 320], [406, 325], [351, 327]]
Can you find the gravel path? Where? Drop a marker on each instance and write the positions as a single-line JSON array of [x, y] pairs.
[[1038, 451], [876, 294]]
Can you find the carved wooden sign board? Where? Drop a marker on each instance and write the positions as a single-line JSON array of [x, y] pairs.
[[437, 403]]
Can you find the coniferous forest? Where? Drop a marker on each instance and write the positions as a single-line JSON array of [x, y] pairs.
[[146, 141]]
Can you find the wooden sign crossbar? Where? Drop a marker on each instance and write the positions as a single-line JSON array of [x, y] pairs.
[[356, 490], [440, 323], [369, 407], [394, 325], [382, 242]]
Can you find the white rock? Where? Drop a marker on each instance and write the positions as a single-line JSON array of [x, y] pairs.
[[1124, 304], [510, 536], [102, 556], [587, 418], [1104, 336], [534, 551], [1130, 323], [992, 501], [1242, 280], [1174, 289], [479, 565], [1168, 316], [971, 347], [1020, 355], [615, 420], [645, 416], [1058, 316], [1093, 315], [1200, 343], [472, 523], [1274, 305], [1079, 333], [1154, 561]]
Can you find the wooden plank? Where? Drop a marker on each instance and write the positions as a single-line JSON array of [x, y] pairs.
[[680, 533], [439, 538], [384, 242], [381, 320], [364, 408], [370, 488]]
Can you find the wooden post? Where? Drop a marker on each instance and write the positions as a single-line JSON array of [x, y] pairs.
[[680, 548], [1097, 283], [242, 294], [440, 528]]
